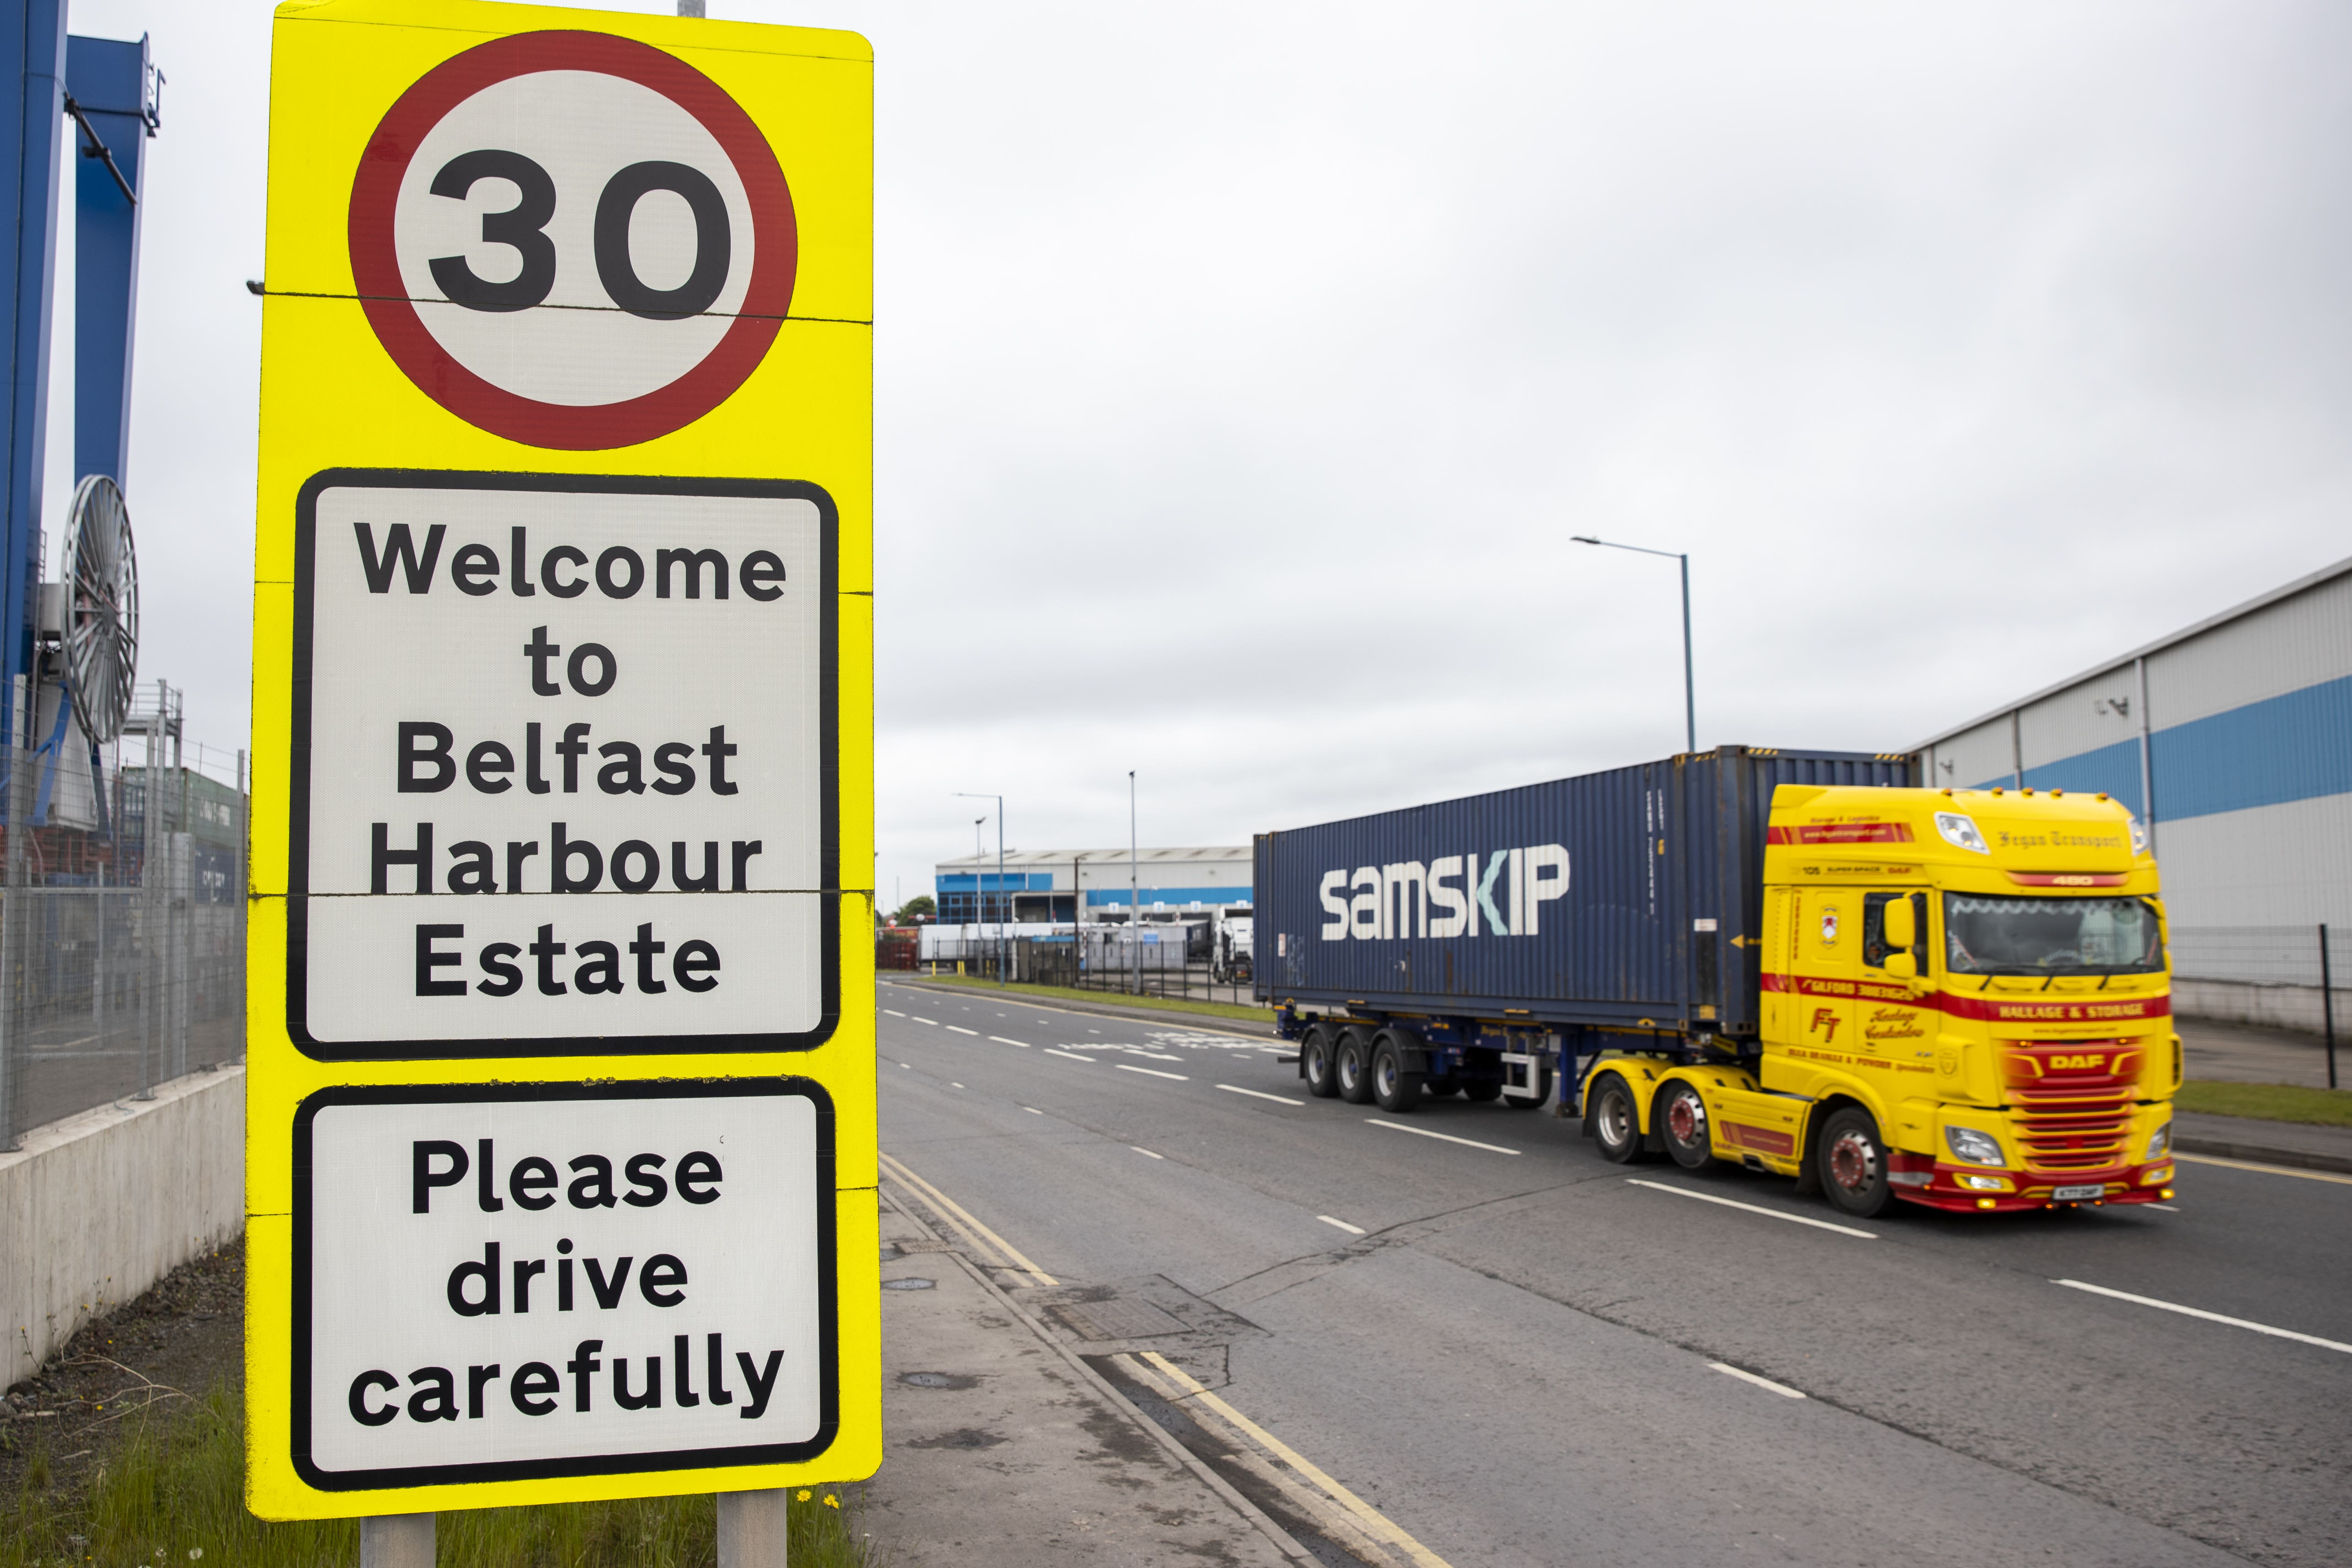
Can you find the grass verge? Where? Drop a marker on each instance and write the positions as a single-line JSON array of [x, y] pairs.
[[2267, 1102], [172, 1494], [1106, 998]]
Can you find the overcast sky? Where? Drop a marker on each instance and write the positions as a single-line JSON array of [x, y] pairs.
[[1243, 371]]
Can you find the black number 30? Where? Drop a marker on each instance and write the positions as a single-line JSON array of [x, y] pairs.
[[523, 226]]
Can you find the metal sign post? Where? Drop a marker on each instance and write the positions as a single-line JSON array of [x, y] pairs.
[[561, 1159]]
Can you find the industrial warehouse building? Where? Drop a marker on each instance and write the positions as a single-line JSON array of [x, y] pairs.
[[1048, 885], [2231, 741]]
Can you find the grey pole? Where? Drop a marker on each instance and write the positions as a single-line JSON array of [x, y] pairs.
[[398, 1540], [751, 1529], [1690, 689], [1690, 692], [979, 874], [2328, 1003], [1134, 894]]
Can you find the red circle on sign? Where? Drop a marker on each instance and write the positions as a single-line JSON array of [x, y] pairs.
[[384, 293]]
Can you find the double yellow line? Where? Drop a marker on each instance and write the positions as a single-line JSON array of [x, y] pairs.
[[1291, 1471]]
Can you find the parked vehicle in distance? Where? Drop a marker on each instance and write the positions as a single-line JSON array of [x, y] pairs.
[[1796, 962]]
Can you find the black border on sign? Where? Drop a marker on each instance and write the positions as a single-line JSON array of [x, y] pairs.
[[828, 1296], [298, 858]]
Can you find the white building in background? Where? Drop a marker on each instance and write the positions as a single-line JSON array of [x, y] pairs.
[[1092, 885], [2231, 739]]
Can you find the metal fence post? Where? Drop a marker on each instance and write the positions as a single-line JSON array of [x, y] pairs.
[[12, 946], [2327, 1003], [396, 1541], [237, 894], [751, 1529], [151, 923]]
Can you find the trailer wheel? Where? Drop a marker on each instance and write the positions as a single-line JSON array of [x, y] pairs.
[[1315, 1063], [1851, 1160], [1542, 1092], [1440, 1088], [1681, 1118], [1393, 1086], [1355, 1064], [1481, 1092], [1609, 1112]]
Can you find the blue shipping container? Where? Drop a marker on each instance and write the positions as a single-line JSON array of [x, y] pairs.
[[1631, 898]]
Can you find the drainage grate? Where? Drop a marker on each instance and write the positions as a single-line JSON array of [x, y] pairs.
[[1117, 1319]]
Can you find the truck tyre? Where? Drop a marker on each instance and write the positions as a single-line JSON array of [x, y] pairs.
[[1680, 1115], [1542, 1093], [1609, 1115], [1852, 1161], [1354, 1060], [1439, 1087], [1316, 1064], [1481, 1092], [1395, 1088]]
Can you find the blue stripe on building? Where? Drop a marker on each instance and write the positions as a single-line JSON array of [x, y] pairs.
[[1118, 896], [2296, 746], [996, 882]]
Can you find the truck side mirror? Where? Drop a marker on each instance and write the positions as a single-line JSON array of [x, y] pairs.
[[1902, 966], [1899, 929]]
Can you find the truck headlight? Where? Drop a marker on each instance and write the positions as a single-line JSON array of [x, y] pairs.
[[1977, 1148], [1959, 831], [2162, 1142], [2139, 835]]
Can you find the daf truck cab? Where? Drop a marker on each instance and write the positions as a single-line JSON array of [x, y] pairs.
[[1965, 1002]]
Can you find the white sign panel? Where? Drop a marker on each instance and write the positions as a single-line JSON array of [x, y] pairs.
[[562, 771], [497, 1283]]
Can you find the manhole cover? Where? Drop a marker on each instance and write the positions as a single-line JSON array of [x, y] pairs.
[[909, 1284], [1117, 1319]]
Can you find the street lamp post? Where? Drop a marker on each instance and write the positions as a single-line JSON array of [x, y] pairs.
[[1690, 697], [1134, 895], [1002, 952]]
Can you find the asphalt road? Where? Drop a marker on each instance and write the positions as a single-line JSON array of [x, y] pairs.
[[1521, 1359]]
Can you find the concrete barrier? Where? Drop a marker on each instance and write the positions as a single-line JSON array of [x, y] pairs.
[[97, 1207]]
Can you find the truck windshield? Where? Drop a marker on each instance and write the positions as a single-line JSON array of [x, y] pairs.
[[2051, 936]]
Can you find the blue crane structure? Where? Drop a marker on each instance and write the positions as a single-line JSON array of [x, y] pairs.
[[105, 95]]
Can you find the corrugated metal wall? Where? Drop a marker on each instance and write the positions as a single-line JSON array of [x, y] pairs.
[[2243, 735]]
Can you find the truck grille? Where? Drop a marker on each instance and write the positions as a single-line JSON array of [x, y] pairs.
[[2073, 1132]]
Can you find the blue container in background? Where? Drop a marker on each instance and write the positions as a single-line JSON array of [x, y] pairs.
[[1631, 898]]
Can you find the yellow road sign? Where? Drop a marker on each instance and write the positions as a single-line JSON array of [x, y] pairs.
[[561, 1137]]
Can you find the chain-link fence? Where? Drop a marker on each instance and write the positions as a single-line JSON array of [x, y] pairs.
[[122, 918]]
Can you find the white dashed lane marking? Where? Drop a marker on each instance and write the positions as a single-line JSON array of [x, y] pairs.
[[1259, 1094]]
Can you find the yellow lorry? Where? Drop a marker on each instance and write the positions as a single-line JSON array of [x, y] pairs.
[[1801, 963], [1965, 1002]]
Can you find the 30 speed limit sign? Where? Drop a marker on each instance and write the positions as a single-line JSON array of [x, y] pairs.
[[561, 1157]]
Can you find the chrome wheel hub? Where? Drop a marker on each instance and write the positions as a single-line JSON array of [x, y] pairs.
[[1853, 1161]]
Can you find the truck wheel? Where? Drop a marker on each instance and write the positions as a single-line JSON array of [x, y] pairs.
[[1852, 1161], [1393, 1088], [1543, 1092], [1481, 1092], [1681, 1118], [1439, 1087], [1609, 1112], [1355, 1066], [1315, 1063]]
